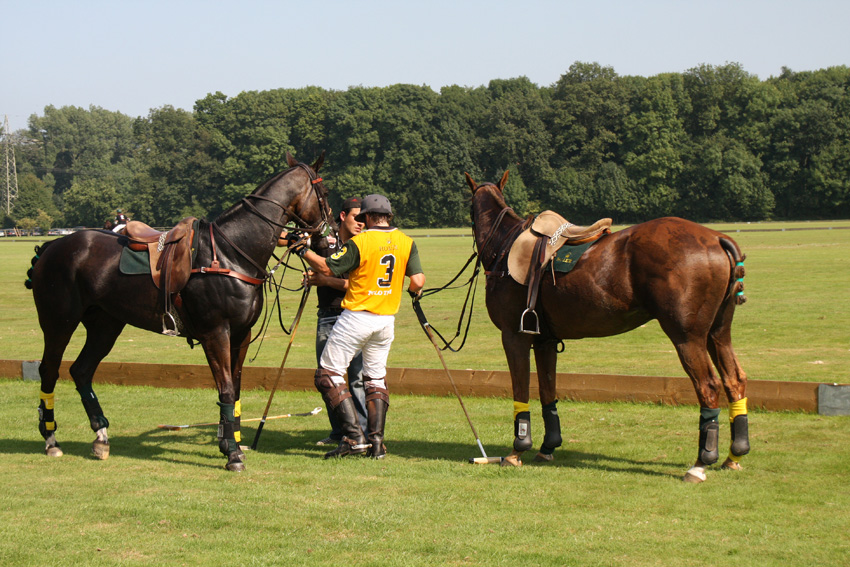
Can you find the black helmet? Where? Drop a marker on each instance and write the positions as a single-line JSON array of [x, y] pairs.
[[374, 204]]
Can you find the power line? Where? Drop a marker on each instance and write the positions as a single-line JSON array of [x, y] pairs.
[[10, 189]]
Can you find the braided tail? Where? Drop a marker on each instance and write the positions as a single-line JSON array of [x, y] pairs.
[[39, 250], [736, 280]]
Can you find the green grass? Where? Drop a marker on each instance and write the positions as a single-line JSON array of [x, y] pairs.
[[612, 497], [794, 326]]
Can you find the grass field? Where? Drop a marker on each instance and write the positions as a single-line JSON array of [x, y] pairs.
[[612, 497], [794, 326]]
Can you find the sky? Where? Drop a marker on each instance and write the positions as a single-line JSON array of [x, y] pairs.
[[132, 56]]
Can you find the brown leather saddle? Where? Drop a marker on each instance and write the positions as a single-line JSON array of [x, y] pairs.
[[534, 249], [170, 259]]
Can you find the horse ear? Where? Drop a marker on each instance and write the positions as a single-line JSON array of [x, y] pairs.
[[319, 162], [291, 160], [503, 181], [470, 181]]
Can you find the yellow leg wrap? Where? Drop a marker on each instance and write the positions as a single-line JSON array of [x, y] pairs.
[[737, 408], [47, 399], [520, 407], [735, 458], [237, 412]]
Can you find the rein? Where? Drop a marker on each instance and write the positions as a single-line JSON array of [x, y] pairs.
[[289, 215]]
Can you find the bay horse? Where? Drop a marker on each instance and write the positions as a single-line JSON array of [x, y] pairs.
[[686, 276], [76, 279]]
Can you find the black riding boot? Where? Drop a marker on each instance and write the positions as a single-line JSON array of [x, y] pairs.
[[339, 399], [353, 441], [377, 402]]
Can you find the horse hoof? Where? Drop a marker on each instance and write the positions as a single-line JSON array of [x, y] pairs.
[[511, 461], [731, 465], [234, 462], [100, 450], [54, 451], [543, 458], [693, 477]]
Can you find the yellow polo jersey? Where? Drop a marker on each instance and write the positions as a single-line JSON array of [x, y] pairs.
[[375, 284]]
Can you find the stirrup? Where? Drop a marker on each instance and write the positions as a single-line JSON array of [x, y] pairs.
[[171, 332], [522, 326]]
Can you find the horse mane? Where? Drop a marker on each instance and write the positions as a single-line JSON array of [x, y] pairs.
[[224, 215]]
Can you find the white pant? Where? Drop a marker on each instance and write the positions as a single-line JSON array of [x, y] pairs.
[[360, 331]]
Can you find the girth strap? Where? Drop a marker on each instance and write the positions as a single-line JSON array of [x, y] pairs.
[[215, 266]]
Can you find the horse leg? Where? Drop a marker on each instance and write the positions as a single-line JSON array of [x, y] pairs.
[[237, 358], [217, 349], [693, 355], [55, 342], [102, 330], [546, 359], [517, 347], [735, 384]]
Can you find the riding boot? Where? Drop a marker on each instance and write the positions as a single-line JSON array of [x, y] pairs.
[[339, 399], [353, 440], [377, 402]]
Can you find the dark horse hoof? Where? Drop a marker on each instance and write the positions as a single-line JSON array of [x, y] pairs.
[[234, 462]]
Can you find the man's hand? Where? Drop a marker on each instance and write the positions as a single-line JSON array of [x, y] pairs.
[[297, 244]]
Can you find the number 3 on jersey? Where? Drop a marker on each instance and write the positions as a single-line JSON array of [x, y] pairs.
[[389, 262]]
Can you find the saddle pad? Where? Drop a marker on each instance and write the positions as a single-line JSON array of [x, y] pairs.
[[134, 262], [567, 257]]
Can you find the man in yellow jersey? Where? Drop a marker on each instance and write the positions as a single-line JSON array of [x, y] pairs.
[[376, 259]]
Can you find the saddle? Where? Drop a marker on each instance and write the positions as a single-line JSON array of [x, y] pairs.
[[534, 249], [170, 259]]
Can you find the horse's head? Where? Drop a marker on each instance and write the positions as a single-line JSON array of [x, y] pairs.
[[489, 211], [310, 210]]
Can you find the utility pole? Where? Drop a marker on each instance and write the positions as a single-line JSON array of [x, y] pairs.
[[10, 189]]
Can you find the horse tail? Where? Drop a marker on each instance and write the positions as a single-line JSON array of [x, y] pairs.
[[39, 250], [736, 279]]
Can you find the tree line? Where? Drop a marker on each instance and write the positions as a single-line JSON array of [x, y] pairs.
[[712, 143]]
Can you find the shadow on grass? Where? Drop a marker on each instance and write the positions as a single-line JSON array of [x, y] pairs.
[[199, 448]]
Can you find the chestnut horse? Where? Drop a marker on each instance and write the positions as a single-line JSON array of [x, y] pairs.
[[77, 279], [683, 274]]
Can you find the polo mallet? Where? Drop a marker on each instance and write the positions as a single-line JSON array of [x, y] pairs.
[[427, 328], [282, 364], [179, 427]]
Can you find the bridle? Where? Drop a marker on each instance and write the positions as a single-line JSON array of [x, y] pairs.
[[322, 227], [498, 255]]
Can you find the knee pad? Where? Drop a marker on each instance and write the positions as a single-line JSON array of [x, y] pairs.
[[333, 393], [375, 393]]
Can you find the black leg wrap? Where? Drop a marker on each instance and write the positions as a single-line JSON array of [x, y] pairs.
[[552, 423], [45, 416], [377, 402], [740, 436], [708, 440], [226, 428], [92, 407], [522, 431]]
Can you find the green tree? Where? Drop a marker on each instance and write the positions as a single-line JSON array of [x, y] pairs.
[[90, 202], [34, 196]]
